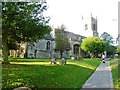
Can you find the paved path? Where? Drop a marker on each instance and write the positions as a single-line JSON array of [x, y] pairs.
[[100, 79]]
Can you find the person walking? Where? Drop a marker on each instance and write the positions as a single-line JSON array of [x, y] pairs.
[[103, 58]]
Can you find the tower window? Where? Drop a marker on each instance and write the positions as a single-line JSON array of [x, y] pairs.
[[93, 26], [86, 27], [48, 46]]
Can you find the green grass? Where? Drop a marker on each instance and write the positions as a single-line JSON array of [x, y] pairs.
[[34, 74], [115, 67]]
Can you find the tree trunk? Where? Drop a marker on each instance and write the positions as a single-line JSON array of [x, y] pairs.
[[26, 51], [5, 48], [92, 55], [61, 54], [19, 49]]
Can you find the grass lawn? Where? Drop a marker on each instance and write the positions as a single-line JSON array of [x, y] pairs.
[[39, 73], [115, 66]]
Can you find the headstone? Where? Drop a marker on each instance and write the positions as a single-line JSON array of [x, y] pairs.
[[53, 61], [63, 61]]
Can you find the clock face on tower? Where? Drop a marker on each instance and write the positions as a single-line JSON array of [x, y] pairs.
[[86, 27]]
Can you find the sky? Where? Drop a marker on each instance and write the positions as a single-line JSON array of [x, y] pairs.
[[70, 12]]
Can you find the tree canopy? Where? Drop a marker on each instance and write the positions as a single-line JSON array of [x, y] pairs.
[[23, 21], [107, 38], [93, 45], [61, 40], [109, 43]]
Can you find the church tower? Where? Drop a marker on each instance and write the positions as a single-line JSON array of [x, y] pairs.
[[89, 27]]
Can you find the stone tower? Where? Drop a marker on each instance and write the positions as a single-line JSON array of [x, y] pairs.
[[89, 26]]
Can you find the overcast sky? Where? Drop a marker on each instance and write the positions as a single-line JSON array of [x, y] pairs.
[[69, 12]]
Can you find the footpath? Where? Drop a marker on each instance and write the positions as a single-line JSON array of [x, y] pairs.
[[101, 79]]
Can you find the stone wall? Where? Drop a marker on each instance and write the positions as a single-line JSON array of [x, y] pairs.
[[43, 54], [39, 49]]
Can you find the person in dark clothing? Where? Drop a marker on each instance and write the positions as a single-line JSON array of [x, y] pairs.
[[103, 58]]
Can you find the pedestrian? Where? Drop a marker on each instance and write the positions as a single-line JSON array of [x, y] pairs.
[[103, 58]]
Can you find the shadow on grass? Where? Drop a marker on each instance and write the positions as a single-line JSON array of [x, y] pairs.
[[43, 76], [28, 60]]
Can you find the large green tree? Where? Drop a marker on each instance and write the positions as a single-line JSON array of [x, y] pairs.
[[107, 38], [61, 41], [93, 45], [109, 47], [23, 21]]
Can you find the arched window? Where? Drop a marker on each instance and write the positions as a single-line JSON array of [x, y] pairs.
[[48, 46]]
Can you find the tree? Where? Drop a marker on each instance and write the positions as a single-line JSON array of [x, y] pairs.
[[23, 21], [112, 50], [109, 43], [93, 45], [118, 51], [107, 38], [61, 41]]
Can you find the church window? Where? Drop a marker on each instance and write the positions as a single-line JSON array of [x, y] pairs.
[[48, 46], [86, 26]]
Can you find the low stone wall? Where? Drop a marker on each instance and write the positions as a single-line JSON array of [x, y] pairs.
[[43, 54]]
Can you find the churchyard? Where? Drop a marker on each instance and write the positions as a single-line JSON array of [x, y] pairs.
[[26, 25], [39, 73]]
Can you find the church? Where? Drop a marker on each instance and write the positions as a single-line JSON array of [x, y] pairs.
[[46, 48]]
